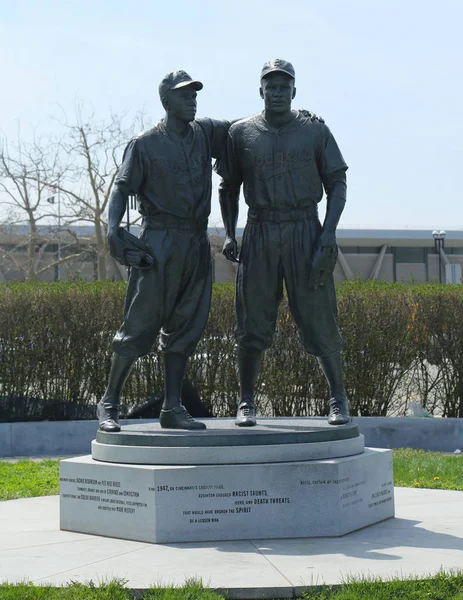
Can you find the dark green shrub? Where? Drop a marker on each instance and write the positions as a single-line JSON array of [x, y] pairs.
[[402, 343], [375, 320], [55, 343], [438, 344]]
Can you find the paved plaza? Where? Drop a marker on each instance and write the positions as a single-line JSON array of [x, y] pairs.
[[425, 536]]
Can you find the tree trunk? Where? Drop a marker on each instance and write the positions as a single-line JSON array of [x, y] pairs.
[[100, 249], [30, 271]]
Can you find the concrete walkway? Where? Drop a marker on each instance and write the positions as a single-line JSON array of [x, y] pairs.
[[425, 536]]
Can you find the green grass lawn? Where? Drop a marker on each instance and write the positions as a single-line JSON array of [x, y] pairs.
[[412, 468], [107, 591], [27, 479], [444, 586], [421, 469]]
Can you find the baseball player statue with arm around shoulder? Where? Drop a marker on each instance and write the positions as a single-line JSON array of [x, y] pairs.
[[169, 169]]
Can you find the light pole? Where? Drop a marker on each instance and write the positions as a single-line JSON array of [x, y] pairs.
[[439, 241], [54, 191], [59, 230]]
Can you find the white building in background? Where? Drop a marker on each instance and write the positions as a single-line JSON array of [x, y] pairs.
[[397, 255], [389, 255]]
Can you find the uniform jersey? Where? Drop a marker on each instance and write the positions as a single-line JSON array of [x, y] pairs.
[[283, 172], [171, 174], [280, 168]]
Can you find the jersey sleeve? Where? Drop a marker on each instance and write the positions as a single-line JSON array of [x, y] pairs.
[[131, 172], [217, 132], [330, 158], [228, 167]]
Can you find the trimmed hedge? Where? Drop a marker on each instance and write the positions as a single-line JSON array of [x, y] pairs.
[[402, 343]]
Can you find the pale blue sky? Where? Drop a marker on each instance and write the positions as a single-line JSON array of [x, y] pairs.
[[385, 75]]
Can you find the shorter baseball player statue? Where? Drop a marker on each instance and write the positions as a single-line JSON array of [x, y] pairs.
[[169, 169], [284, 160]]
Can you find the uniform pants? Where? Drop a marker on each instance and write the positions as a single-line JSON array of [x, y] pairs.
[[273, 253], [172, 297]]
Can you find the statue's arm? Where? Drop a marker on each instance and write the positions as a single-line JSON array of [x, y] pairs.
[[229, 194], [228, 167], [124, 247], [332, 169], [326, 251], [128, 181], [336, 190], [116, 208]]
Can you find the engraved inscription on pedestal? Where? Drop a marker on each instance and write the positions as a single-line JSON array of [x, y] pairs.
[[224, 502], [108, 494], [115, 499]]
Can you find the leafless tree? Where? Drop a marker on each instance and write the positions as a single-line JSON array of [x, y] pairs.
[[80, 165], [24, 169], [93, 150]]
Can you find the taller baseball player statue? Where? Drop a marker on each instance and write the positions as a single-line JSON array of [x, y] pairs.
[[169, 291], [284, 160]]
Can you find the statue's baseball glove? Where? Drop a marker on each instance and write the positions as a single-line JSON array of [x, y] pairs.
[[129, 250]]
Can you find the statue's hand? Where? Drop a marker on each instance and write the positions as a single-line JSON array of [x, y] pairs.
[[230, 249], [312, 116], [323, 261], [128, 250]]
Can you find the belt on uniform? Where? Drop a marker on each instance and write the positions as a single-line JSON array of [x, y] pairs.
[[256, 215], [173, 222]]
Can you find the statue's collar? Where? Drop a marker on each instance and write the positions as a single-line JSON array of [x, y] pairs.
[[264, 125]]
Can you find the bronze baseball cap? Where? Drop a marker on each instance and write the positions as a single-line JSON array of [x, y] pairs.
[[175, 80], [278, 64]]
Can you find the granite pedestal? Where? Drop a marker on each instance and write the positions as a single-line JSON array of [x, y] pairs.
[[284, 478]]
